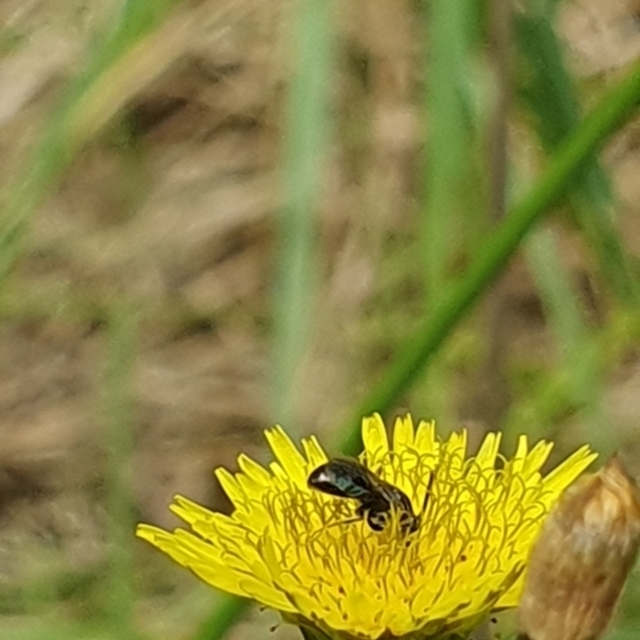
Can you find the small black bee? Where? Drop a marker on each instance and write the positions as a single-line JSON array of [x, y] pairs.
[[346, 478]]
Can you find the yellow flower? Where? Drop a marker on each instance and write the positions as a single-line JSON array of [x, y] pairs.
[[304, 553]]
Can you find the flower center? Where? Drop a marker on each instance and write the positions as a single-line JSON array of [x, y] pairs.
[[470, 520]]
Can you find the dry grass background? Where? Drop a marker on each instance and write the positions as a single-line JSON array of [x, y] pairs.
[[172, 205]]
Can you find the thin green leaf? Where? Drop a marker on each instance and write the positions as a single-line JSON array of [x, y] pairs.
[[448, 166], [549, 93]]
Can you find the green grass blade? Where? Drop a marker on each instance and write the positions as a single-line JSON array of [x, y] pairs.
[[70, 125], [550, 95], [547, 88], [227, 612], [447, 101], [119, 387], [306, 143], [448, 161], [610, 113], [577, 350], [557, 290]]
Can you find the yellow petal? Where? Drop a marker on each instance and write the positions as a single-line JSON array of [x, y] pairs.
[[425, 440], [568, 470], [486, 457], [374, 436], [290, 459], [231, 487], [314, 453], [403, 434], [253, 470], [537, 457]]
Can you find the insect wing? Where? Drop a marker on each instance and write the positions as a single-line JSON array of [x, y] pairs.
[[345, 479]]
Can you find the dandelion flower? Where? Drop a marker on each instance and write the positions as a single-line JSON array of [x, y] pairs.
[[309, 556]]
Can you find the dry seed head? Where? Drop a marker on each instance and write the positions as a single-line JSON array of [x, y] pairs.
[[581, 559]]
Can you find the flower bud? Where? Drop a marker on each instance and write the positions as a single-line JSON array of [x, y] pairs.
[[581, 559]]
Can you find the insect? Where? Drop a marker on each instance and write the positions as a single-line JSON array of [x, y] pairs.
[[347, 478]]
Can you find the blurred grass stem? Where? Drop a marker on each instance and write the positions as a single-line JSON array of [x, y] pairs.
[[307, 135], [447, 165], [447, 137], [578, 353], [119, 388]]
